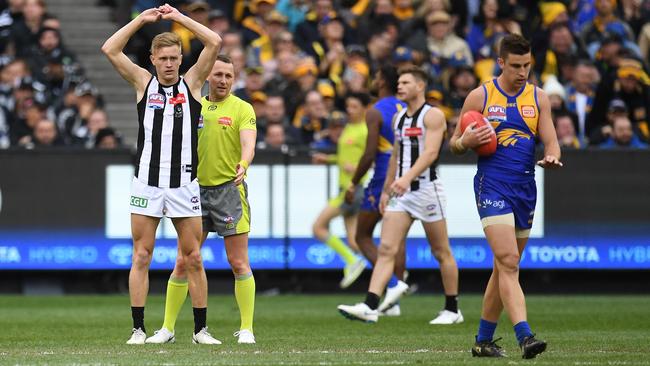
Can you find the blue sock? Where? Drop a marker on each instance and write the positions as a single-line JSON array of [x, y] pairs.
[[392, 282], [522, 330], [485, 330]]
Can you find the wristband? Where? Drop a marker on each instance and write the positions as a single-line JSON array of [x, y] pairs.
[[459, 144]]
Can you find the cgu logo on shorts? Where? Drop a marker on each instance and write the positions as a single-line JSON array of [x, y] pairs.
[[496, 113], [139, 202], [156, 101]]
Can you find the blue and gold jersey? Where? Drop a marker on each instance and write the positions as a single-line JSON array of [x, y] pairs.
[[514, 118], [387, 106]]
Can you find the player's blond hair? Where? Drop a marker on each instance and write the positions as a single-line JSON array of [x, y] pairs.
[[166, 39]]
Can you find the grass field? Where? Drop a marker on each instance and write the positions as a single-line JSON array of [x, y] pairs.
[[307, 330]]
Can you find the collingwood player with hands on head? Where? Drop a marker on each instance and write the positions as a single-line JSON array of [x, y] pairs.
[[165, 182]]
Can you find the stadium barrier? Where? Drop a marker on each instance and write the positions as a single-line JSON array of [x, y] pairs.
[[69, 210]]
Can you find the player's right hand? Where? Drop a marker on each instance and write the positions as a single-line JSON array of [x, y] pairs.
[[169, 12], [319, 158], [383, 202], [349, 194], [473, 137], [151, 15]]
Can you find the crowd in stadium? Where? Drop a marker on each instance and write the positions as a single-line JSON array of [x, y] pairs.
[[296, 60], [45, 97]]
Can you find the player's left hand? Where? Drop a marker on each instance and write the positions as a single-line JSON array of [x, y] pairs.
[[383, 202], [349, 194], [241, 174], [169, 12], [550, 162], [399, 187]]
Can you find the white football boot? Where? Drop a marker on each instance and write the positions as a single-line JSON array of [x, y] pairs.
[[203, 337], [359, 311], [137, 337], [448, 317], [161, 336]]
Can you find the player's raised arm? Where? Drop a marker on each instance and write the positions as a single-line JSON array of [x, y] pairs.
[[552, 152], [112, 48], [471, 138], [198, 73]]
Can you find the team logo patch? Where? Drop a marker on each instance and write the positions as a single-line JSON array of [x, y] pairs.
[[156, 101], [496, 113], [179, 99], [528, 111], [226, 121], [413, 132]]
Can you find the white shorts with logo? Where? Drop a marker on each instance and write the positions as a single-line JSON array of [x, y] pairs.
[[427, 204], [183, 201]]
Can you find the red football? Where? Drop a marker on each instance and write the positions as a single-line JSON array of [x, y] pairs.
[[488, 148]]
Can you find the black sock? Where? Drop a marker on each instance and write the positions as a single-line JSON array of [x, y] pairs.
[[372, 300], [137, 313], [451, 303], [200, 315]]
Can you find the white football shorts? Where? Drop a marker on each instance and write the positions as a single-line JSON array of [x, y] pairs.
[[183, 201], [427, 204]]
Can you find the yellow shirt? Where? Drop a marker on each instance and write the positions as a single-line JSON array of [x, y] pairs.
[[219, 145]]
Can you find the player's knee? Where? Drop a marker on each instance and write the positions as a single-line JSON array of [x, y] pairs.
[[387, 250], [192, 260], [238, 265], [180, 268], [141, 257], [442, 254], [508, 262]]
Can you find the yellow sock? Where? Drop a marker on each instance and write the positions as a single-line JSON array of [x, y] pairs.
[[245, 296], [343, 250], [176, 294]]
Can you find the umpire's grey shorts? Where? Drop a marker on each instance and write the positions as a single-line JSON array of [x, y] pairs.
[[225, 209]]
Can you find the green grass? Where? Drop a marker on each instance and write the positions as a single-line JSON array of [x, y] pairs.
[[307, 330]]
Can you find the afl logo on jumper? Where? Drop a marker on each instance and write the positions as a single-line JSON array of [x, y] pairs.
[[200, 125], [528, 111], [156, 101], [496, 113]]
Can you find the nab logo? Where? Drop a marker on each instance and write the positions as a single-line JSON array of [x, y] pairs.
[[156, 101], [320, 254], [120, 254], [139, 202]]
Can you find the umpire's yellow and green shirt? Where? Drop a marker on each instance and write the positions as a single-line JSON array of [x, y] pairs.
[[219, 147]]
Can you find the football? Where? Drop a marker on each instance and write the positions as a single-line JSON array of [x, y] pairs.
[[488, 148]]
